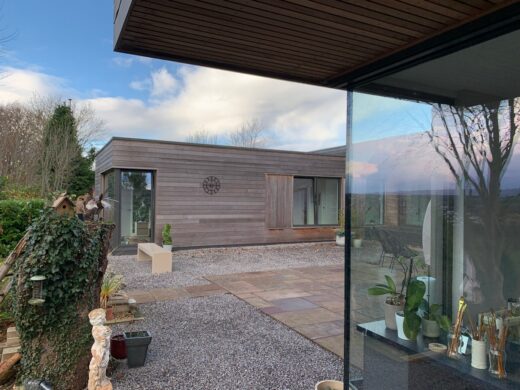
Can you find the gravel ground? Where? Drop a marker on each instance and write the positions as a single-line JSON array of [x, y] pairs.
[[221, 342], [191, 265]]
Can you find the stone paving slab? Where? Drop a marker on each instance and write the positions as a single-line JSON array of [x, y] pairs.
[[310, 300]]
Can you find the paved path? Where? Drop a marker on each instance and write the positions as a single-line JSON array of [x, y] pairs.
[[309, 300]]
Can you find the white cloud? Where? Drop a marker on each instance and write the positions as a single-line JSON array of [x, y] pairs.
[[159, 84], [126, 61], [22, 85], [296, 116]]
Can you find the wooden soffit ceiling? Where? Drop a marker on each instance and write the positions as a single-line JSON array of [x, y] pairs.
[[311, 41]]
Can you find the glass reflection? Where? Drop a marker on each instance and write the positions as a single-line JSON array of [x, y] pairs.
[[439, 203]]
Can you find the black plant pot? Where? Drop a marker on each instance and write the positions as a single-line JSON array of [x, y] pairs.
[[137, 347]]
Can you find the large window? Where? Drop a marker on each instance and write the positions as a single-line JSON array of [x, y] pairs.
[[448, 173], [315, 201], [136, 207]]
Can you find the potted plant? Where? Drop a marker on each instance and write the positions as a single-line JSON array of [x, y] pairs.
[[340, 231], [393, 303], [111, 285], [167, 237], [408, 321], [433, 321], [137, 347], [118, 347], [329, 385]]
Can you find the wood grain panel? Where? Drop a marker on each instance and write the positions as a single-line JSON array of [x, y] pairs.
[[235, 215], [278, 203], [312, 41]]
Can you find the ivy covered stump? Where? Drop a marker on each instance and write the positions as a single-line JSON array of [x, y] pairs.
[[56, 335]]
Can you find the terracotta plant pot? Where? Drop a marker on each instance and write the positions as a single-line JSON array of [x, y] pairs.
[[118, 346], [431, 328], [110, 313], [390, 311], [329, 384]]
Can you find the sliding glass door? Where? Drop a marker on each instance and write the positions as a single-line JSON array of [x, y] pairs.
[[315, 201]]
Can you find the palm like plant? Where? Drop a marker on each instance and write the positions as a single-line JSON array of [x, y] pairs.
[[111, 285]]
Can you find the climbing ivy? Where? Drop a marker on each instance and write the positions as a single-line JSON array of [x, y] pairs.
[[56, 336]]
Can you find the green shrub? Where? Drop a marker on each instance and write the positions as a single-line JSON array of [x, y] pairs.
[[15, 218], [166, 234], [56, 335]]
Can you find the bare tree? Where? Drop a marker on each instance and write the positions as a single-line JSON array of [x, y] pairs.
[[34, 154], [19, 144], [203, 137], [249, 135], [477, 143]]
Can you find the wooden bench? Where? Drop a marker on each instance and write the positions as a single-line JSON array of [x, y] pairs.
[[161, 258]]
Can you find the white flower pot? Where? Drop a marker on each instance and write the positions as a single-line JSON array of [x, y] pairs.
[[329, 384], [430, 328], [399, 321], [390, 311], [167, 247], [478, 354], [340, 240], [357, 242]]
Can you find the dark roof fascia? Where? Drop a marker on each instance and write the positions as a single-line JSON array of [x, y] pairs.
[[152, 141], [486, 27]]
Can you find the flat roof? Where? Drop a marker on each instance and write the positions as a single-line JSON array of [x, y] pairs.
[[338, 44], [197, 145]]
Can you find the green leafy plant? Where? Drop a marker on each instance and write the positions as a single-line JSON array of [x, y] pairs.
[[413, 300], [111, 285], [340, 231], [167, 235], [56, 336], [433, 312], [390, 289]]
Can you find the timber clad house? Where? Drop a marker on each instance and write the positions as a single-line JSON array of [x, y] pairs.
[[218, 195]]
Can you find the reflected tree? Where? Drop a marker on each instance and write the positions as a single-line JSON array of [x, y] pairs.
[[477, 144]]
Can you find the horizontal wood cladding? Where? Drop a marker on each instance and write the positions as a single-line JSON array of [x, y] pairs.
[[312, 41], [236, 214]]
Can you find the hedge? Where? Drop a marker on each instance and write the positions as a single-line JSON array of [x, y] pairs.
[[15, 218]]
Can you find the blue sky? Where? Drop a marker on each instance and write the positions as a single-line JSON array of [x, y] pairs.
[[63, 48]]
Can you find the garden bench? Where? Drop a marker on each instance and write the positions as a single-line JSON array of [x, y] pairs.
[[161, 258]]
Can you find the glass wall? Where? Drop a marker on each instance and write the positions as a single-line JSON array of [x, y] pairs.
[[136, 207], [315, 201], [436, 286]]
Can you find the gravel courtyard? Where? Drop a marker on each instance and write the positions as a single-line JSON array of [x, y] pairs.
[[221, 342], [190, 266]]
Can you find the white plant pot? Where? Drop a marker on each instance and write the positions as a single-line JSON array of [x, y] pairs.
[[478, 354], [390, 311], [399, 321], [357, 242], [329, 384], [430, 328], [340, 240], [167, 247]]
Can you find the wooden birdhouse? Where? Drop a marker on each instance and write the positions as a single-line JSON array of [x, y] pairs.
[[64, 206]]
